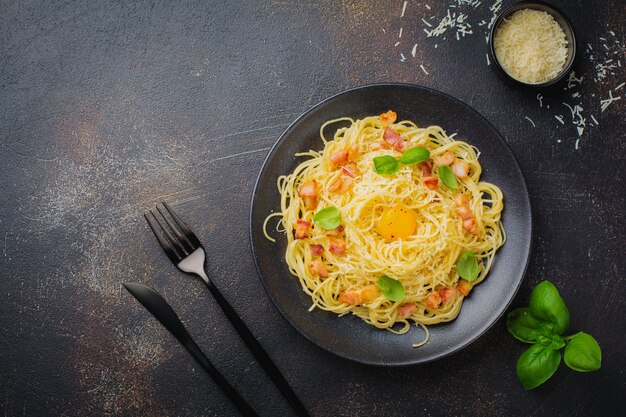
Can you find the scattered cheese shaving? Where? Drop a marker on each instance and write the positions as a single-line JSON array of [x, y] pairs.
[[423, 69], [528, 118], [403, 8], [606, 102]]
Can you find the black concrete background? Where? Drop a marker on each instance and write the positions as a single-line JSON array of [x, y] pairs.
[[107, 107]]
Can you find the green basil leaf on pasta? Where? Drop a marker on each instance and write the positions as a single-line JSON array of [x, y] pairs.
[[536, 365], [467, 266], [391, 288], [546, 304], [386, 164], [414, 155], [448, 177], [583, 353], [328, 218]]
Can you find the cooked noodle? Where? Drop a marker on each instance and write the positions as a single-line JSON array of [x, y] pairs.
[[423, 262]]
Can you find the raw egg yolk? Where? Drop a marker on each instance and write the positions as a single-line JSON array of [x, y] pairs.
[[397, 222]]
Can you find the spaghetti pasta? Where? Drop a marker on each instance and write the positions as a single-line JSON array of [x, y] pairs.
[[408, 225]]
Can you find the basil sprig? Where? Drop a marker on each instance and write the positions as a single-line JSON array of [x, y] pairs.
[[391, 288], [414, 155], [448, 177], [542, 323], [467, 266], [328, 218], [387, 164]]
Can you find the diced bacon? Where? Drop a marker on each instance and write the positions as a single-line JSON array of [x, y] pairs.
[[340, 185], [400, 145], [369, 293], [379, 144], [463, 287], [308, 193], [316, 250], [308, 189], [431, 182], [334, 232], [302, 229], [364, 295], [464, 211], [447, 295], [350, 170], [433, 301], [391, 136], [339, 158], [427, 167], [406, 310], [317, 267], [388, 117], [470, 226], [446, 159], [337, 245], [460, 168]]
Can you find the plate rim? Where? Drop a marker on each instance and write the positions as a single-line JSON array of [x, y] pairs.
[[384, 363]]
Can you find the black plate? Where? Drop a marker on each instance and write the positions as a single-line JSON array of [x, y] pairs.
[[348, 336]]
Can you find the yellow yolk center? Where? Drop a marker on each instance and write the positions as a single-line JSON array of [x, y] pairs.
[[396, 223]]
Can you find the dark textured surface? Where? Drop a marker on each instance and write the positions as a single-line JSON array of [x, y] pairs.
[[107, 107]]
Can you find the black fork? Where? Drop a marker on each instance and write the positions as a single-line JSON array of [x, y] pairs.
[[186, 252]]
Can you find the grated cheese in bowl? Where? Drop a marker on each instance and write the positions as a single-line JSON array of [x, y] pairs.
[[531, 46]]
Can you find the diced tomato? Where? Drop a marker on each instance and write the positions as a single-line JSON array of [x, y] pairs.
[[406, 310], [447, 295], [433, 301], [302, 229], [337, 246], [316, 250], [317, 267], [339, 158], [463, 287], [431, 182]]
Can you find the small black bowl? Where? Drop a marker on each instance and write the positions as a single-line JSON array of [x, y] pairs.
[[560, 18]]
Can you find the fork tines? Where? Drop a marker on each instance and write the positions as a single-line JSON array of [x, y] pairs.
[[174, 236]]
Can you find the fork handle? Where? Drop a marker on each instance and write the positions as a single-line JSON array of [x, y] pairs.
[[257, 350]]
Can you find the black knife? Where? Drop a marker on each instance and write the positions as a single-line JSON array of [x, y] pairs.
[[159, 308]]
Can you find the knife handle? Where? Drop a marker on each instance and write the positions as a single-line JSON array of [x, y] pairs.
[[219, 379], [257, 350]]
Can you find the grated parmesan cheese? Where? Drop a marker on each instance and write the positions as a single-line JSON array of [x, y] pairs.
[[531, 46]]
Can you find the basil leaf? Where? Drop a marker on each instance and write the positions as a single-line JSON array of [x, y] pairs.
[[386, 164], [414, 155], [546, 304], [524, 326], [553, 341], [448, 177], [536, 365], [583, 353], [327, 218], [391, 288], [467, 266]]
